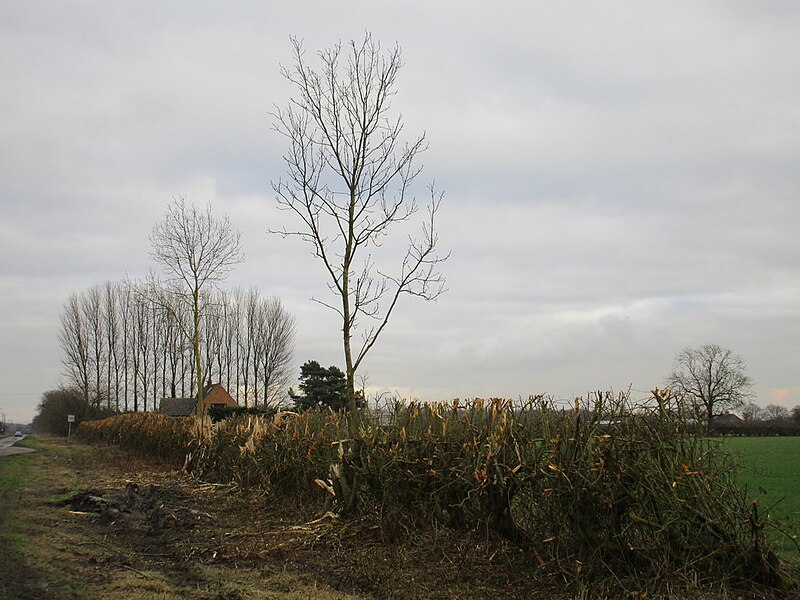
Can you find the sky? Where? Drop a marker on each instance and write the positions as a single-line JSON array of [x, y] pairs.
[[621, 180]]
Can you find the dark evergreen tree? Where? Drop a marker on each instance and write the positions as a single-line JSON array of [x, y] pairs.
[[321, 387]]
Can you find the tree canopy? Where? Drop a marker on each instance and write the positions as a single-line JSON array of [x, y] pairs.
[[712, 376]]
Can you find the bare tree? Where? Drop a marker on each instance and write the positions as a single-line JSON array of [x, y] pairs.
[[276, 330], [112, 343], [776, 412], [75, 345], [140, 340], [93, 316], [255, 345], [196, 250], [126, 322], [231, 344], [349, 177], [712, 376], [752, 412]]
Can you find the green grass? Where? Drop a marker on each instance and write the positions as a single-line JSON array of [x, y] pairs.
[[770, 469], [13, 472]]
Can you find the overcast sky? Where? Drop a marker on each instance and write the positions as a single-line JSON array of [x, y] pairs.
[[622, 179]]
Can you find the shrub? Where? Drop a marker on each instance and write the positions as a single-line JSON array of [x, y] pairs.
[[57, 404], [284, 453]]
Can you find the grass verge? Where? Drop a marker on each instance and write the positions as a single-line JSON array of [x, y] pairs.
[[49, 552]]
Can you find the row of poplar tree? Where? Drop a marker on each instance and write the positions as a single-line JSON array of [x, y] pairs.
[[125, 348]]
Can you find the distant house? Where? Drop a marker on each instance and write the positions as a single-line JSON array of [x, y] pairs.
[[727, 420], [214, 395], [178, 407]]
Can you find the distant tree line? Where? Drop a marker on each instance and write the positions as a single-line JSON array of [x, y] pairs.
[[772, 419], [753, 413], [123, 348]]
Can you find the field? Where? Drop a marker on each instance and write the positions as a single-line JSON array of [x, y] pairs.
[[770, 468]]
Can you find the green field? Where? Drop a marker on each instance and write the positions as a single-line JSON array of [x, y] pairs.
[[770, 468]]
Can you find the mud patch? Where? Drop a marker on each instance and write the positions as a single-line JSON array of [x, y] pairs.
[[149, 510]]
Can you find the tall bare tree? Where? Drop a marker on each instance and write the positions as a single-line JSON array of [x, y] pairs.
[[144, 343], [349, 177], [276, 330], [231, 341], [75, 345], [112, 344], [196, 250], [126, 323], [93, 316], [712, 376]]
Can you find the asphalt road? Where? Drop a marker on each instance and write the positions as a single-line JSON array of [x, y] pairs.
[[7, 447]]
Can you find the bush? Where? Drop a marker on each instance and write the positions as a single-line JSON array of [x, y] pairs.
[[57, 404], [600, 491], [285, 453]]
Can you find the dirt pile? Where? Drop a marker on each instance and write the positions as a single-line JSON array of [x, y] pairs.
[[150, 511]]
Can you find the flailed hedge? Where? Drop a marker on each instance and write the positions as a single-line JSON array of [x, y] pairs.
[[146, 434], [603, 490], [285, 453]]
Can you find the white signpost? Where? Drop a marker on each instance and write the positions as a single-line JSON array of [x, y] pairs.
[[70, 421]]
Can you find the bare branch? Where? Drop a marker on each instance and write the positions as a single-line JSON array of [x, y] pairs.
[[348, 180]]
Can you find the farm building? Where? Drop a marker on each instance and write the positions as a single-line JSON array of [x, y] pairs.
[[727, 420], [214, 395]]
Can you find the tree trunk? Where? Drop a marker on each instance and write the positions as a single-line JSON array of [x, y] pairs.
[[196, 348]]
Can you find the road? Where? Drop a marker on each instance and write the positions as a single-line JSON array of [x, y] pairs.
[[7, 447]]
